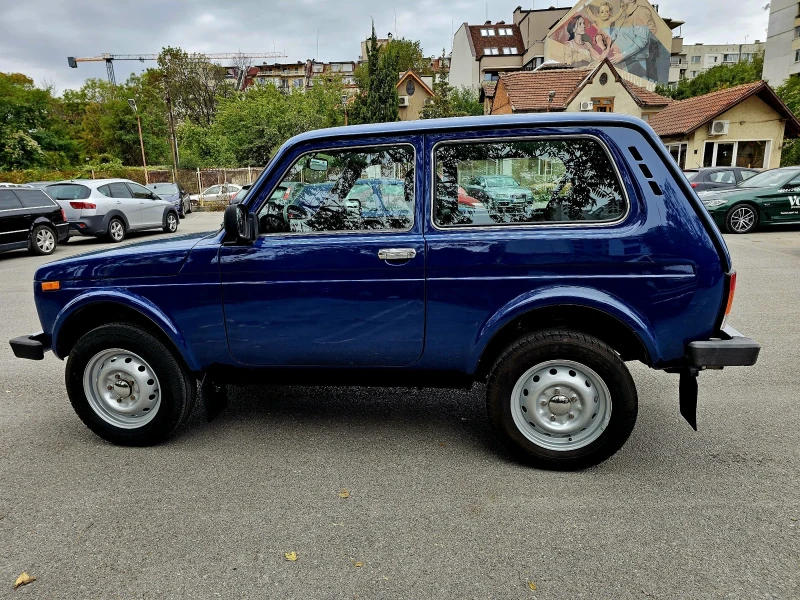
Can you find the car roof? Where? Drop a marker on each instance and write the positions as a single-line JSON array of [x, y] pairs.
[[93, 183]]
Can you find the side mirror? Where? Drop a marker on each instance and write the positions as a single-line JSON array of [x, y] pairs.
[[238, 227]]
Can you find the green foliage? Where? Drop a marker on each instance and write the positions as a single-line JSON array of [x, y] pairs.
[[408, 56], [449, 101], [789, 92], [377, 102], [716, 78]]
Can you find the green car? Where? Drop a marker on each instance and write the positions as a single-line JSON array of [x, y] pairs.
[[769, 198]]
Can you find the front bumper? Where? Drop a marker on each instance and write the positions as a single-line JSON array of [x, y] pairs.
[[31, 347], [730, 349]]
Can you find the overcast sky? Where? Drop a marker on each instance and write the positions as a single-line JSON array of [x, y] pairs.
[[38, 35]]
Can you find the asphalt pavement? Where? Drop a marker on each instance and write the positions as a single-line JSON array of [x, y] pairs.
[[433, 507]]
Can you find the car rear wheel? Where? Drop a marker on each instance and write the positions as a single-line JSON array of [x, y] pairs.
[[742, 218], [116, 230], [43, 240], [171, 223], [127, 386], [188, 206], [561, 400]]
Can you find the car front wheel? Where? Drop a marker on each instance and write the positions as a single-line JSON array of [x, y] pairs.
[[561, 400], [127, 386], [171, 223], [43, 240], [742, 218]]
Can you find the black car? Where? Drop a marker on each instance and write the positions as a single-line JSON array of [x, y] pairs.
[[30, 219], [173, 192], [718, 178]]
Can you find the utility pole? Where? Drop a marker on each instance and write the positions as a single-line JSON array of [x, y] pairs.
[[132, 104], [173, 140]]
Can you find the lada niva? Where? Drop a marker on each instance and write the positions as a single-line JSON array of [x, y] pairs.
[[544, 307]]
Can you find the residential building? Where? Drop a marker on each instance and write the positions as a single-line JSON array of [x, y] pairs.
[[284, 76], [740, 126], [317, 71], [697, 58], [602, 88], [483, 52], [381, 43], [415, 92], [782, 53], [534, 25]]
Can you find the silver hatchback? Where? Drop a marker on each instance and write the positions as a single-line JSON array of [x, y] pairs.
[[112, 207]]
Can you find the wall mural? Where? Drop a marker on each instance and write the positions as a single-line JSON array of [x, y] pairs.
[[627, 32]]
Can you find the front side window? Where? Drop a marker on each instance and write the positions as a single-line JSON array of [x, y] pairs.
[[139, 191], [722, 177], [523, 182], [118, 190], [364, 189]]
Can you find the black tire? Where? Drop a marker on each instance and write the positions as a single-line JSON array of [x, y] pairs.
[[171, 222], [43, 240], [188, 210], [116, 231], [542, 347], [178, 387], [741, 218]]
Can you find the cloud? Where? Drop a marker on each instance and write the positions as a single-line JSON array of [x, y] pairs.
[[38, 35]]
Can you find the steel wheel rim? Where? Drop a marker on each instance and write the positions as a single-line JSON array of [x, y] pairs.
[[543, 400], [134, 396], [172, 222], [45, 240], [742, 219], [117, 230]]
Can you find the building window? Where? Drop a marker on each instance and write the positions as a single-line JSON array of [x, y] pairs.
[[746, 154], [678, 153], [696, 59], [692, 73], [797, 56], [491, 76], [797, 32], [605, 105], [487, 32], [491, 51], [509, 50], [504, 31], [746, 56], [730, 58]]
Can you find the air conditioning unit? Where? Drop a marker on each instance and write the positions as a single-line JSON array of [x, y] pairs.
[[403, 100], [587, 106], [719, 128]]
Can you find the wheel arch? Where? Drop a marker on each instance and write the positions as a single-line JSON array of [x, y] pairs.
[[618, 326], [169, 209], [87, 312], [115, 212]]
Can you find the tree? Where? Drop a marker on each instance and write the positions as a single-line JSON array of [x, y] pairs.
[[716, 78], [194, 84], [789, 92], [377, 101], [408, 56], [449, 101]]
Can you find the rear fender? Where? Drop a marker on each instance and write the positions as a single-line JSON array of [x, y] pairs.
[[141, 305], [566, 296]]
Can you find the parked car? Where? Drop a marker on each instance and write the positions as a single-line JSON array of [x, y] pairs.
[[40, 184], [174, 193], [544, 309], [216, 193], [718, 178], [111, 208], [769, 198], [499, 193], [241, 194], [30, 219]]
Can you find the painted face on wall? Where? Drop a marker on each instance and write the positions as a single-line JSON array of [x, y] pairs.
[[605, 12], [580, 27]]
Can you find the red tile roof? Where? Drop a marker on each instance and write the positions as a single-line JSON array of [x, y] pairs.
[[480, 42], [684, 117], [644, 97], [489, 88], [530, 90]]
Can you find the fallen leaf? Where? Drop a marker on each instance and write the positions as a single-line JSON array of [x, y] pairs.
[[793, 518], [442, 444], [357, 564], [24, 579], [290, 556], [344, 493], [532, 586]]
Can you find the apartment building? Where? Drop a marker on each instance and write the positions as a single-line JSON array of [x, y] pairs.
[[693, 59], [782, 52], [482, 52]]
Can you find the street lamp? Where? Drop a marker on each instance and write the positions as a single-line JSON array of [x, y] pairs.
[[132, 104]]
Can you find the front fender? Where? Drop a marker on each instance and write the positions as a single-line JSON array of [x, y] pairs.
[[130, 300], [566, 296]]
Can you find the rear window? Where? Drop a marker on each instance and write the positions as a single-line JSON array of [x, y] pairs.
[[691, 175], [33, 198], [69, 191], [526, 181], [9, 200]]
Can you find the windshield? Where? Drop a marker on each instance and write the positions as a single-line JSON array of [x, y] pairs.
[[501, 182], [163, 189], [772, 179], [691, 175]]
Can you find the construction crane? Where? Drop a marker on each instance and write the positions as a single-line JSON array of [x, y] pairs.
[[110, 58]]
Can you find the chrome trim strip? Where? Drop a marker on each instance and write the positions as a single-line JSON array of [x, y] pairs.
[[537, 225], [16, 231]]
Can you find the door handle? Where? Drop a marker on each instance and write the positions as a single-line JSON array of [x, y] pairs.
[[397, 253]]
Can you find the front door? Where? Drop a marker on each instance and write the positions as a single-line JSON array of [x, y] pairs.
[[336, 286], [151, 207], [784, 204], [124, 201]]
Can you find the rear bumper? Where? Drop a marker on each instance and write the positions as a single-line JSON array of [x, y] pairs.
[[93, 226], [63, 231], [730, 349], [31, 347]]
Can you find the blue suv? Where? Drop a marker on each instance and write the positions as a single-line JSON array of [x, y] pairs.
[[398, 277]]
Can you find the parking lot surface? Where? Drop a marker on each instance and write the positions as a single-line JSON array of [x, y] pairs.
[[433, 507]]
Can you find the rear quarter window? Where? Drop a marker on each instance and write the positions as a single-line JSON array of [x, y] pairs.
[[34, 198], [526, 181]]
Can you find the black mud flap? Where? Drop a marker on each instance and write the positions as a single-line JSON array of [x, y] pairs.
[[215, 397], [687, 391]]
